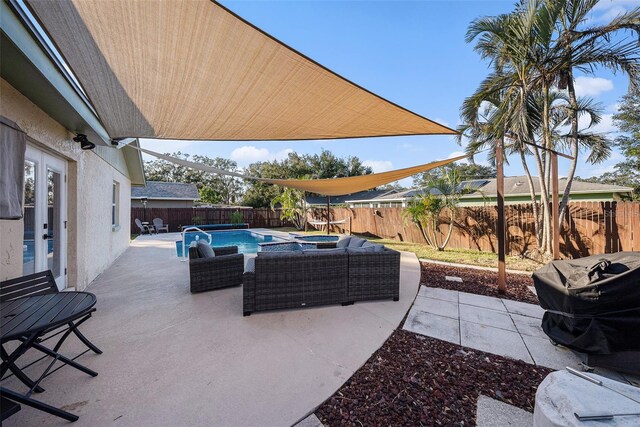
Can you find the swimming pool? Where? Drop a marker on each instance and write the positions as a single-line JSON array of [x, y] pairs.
[[246, 240]]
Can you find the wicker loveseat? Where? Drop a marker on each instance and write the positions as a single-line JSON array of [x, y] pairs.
[[282, 280], [214, 272]]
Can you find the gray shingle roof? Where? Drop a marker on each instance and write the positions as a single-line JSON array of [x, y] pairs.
[[166, 190], [513, 186], [518, 185], [362, 195]]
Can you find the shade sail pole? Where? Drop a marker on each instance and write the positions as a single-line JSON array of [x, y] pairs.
[[328, 214], [555, 219], [500, 229]]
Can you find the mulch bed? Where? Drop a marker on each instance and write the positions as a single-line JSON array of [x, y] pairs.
[[478, 282], [416, 380]]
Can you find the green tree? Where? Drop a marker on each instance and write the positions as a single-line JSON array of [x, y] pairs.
[[293, 206], [325, 165], [627, 172], [535, 51], [213, 188], [443, 193]]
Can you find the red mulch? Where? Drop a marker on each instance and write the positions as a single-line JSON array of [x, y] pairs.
[[478, 282], [415, 380]]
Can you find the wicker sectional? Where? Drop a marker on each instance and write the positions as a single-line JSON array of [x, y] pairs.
[[221, 271], [310, 278]]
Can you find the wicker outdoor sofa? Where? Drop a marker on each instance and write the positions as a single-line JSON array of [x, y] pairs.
[[280, 280], [214, 268]]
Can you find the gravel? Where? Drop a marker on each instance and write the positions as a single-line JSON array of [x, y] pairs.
[[479, 282], [416, 380]]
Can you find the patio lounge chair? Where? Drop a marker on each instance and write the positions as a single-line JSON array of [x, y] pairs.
[[214, 268], [159, 225], [143, 228]]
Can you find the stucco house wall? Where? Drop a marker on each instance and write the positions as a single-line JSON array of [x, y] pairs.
[[92, 244]]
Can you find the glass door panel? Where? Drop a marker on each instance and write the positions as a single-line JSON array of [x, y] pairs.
[[45, 211], [29, 242], [52, 231]]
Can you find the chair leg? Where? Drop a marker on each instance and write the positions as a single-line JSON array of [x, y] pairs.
[[16, 397], [86, 341], [65, 359], [8, 363]]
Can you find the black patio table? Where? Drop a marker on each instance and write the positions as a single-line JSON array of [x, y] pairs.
[[28, 319]]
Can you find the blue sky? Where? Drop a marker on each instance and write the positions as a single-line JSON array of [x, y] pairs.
[[412, 53]]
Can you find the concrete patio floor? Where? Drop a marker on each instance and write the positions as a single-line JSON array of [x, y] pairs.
[[172, 358]]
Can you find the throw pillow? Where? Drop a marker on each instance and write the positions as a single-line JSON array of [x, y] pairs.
[[356, 242], [343, 241], [205, 250], [324, 251], [377, 247], [361, 250]]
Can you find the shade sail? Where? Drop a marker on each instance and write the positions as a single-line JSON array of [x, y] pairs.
[[326, 187], [180, 69]]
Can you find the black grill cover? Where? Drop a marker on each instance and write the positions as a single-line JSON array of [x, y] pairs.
[[592, 303]]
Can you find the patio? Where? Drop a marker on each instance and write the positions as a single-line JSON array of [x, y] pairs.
[[175, 358]]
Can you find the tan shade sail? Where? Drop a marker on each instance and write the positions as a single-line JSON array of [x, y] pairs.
[[179, 69], [326, 187]]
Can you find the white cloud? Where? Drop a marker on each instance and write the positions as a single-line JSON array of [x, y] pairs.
[[592, 86], [606, 10], [379, 165], [605, 126], [248, 154]]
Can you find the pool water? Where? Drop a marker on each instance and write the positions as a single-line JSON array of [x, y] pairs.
[[246, 241]]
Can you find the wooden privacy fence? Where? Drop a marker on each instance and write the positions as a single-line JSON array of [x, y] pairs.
[[177, 217], [588, 227]]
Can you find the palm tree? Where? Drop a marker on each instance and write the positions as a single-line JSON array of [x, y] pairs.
[[583, 47], [442, 193], [533, 49], [293, 206]]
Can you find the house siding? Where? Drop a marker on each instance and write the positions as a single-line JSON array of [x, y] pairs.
[[92, 245]]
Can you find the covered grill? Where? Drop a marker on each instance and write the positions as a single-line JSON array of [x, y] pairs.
[[592, 303]]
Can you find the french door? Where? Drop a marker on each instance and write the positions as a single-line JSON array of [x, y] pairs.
[[45, 215]]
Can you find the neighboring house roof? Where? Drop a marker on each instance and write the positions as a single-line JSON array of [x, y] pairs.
[[513, 186], [166, 190], [518, 186], [338, 200]]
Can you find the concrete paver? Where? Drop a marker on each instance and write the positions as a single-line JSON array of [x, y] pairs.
[[494, 413], [440, 327], [493, 340], [436, 306], [438, 293], [482, 301], [523, 309], [487, 317]]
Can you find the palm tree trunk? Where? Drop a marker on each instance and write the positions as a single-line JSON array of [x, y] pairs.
[[446, 240], [573, 102], [532, 194], [548, 144]]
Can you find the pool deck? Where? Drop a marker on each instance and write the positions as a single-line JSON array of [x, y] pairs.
[[173, 358]]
